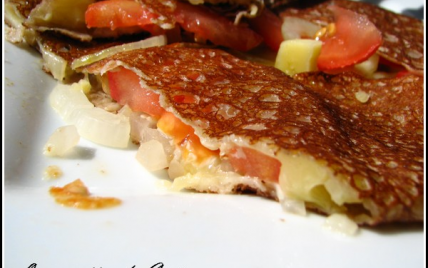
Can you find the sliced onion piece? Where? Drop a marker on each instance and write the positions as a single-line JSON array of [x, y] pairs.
[[342, 224], [54, 63], [152, 156], [297, 28], [12, 16], [176, 169], [146, 43], [368, 67], [65, 99], [148, 134], [290, 205], [139, 122], [102, 127], [293, 206], [94, 124], [61, 141]]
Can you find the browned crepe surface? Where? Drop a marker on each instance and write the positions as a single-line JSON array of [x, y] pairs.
[[381, 156], [403, 36]]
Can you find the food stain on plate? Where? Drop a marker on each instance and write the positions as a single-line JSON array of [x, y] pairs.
[[77, 195]]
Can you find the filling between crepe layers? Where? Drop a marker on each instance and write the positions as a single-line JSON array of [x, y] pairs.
[[232, 164]]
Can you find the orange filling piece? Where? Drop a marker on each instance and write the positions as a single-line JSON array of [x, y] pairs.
[[184, 136]]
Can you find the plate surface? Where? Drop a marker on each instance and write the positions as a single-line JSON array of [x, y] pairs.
[[154, 225]]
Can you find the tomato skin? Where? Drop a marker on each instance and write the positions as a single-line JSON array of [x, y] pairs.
[[125, 88], [268, 25], [253, 163], [209, 25], [115, 14], [354, 41]]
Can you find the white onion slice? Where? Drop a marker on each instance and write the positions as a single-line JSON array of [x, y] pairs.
[[368, 67], [54, 63], [12, 15], [61, 141], [102, 127], [293, 206], [146, 43], [152, 156], [65, 99], [176, 169], [342, 224], [94, 124], [138, 123], [290, 205], [148, 134], [297, 28]]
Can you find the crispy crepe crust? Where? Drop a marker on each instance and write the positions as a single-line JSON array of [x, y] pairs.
[[391, 102], [364, 142], [70, 49], [389, 125], [403, 36]]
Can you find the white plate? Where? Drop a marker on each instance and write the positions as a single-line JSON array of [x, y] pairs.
[[154, 225]]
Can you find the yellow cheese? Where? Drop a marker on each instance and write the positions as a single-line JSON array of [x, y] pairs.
[[298, 55]]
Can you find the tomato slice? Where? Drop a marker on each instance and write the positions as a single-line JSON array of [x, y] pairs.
[[354, 41], [199, 20], [125, 88], [208, 25], [253, 163], [117, 14], [268, 25]]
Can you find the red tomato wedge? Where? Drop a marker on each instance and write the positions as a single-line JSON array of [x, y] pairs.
[[208, 25], [253, 163], [268, 25], [125, 88], [355, 40], [117, 14]]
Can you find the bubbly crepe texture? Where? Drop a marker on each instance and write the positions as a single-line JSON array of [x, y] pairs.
[[403, 36], [381, 164], [346, 144]]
